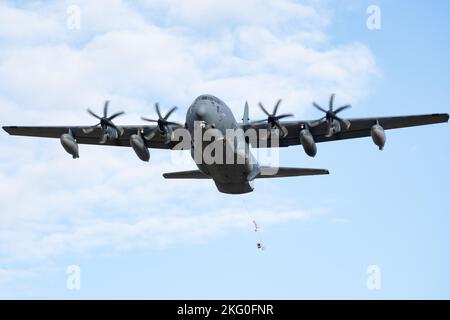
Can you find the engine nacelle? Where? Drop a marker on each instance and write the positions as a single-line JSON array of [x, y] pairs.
[[378, 135], [308, 143], [70, 145], [140, 147]]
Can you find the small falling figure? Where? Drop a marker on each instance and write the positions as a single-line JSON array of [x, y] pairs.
[[256, 226], [259, 244]]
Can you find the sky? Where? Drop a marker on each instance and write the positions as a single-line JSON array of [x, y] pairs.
[[133, 235]]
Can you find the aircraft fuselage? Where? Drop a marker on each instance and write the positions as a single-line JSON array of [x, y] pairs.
[[212, 113]]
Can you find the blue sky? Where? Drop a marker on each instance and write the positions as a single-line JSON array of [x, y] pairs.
[[135, 235]]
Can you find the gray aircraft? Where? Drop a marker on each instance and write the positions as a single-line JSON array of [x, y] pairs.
[[210, 113]]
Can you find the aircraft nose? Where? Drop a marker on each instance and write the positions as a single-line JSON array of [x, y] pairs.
[[200, 111]]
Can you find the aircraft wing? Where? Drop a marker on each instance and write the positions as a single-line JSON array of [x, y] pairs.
[[93, 138], [360, 127]]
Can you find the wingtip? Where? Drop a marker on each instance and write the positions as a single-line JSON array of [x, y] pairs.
[[443, 117], [6, 129]]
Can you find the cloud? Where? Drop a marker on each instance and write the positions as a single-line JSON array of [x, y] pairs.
[[136, 53], [25, 26], [158, 231], [255, 58]]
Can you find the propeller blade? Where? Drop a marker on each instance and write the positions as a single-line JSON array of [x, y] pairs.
[[168, 133], [116, 115], [319, 107], [282, 116], [90, 129], [317, 122], [149, 120], [331, 101], [331, 116], [345, 122], [121, 130], [268, 133], [105, 109], [259, 121], [275, 109], [264, 109], [163, 126], [151, 134], [329, 129], [342, 108], [105, 123], [174, 123], [104, 139], [93, 114], [112, 125], [348, 124], [313, 124], [157, 110], [284, 130], [170, 112]]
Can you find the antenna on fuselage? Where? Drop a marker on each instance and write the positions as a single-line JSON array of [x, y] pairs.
[[245, 118], [245, 125]]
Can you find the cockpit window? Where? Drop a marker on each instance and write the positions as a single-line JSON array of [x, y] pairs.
[[210, 98]]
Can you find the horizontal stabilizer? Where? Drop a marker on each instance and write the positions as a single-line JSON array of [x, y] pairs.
[[194, 174], [265, 172], [269, 172]]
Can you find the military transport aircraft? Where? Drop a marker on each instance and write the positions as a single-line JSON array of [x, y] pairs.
[[212, 113]]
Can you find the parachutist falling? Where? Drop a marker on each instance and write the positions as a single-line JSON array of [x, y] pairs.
[[256, 226], [259, 244]]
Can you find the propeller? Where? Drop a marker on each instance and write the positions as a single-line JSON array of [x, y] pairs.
[[105, 122], [163, 125], [273, 121], [331, 115]]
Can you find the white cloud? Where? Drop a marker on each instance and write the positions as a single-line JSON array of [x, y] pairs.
[[22, 27], [136, 53], [157, 231], [220, 15]]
